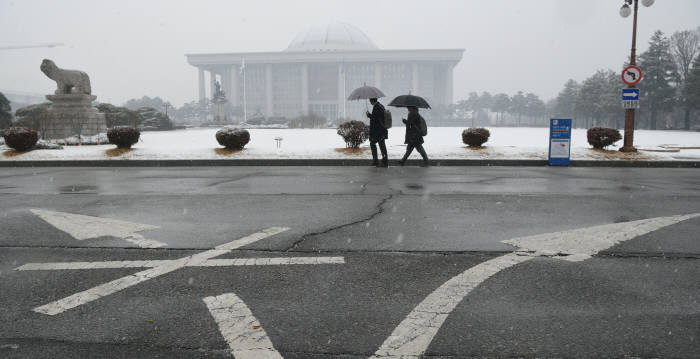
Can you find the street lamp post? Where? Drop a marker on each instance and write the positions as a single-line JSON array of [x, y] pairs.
[[625, 11]]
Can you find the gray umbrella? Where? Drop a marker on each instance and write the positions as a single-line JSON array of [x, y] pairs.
[[365, 92]]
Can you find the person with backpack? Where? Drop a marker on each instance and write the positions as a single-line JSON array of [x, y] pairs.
[[378, 133], [416, 128]]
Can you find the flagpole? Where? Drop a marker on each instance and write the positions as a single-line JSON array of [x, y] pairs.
[[245, 110]]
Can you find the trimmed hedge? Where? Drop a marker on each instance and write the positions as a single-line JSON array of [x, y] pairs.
[[123, 136], [233, 138], [475, 136], [20, 138], [601, 137], [353, 133]]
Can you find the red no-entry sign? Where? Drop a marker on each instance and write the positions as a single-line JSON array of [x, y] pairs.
[[631, 75]]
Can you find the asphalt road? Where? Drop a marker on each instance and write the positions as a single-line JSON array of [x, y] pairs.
[[394, 239]]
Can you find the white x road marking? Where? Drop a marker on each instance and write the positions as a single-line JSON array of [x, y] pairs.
[[160, 267], [415, 333]]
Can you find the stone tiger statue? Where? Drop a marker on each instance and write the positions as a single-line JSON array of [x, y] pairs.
[[67, 81]]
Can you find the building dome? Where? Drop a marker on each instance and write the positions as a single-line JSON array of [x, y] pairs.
[[336, 36]]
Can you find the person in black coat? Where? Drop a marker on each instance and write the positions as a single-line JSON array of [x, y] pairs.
[[414, 135], [377, 133]]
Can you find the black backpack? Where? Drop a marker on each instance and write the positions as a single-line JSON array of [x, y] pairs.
[[422, 126]]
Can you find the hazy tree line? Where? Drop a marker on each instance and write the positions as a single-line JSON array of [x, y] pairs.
[[669, 91], [485, 109]]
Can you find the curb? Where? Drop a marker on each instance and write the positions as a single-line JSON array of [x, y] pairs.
[[339, 162]]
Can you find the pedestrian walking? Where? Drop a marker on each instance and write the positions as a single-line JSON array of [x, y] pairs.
[[416, 128], [378, 134]]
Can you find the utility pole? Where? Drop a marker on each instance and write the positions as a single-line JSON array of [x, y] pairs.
[[628, 145]]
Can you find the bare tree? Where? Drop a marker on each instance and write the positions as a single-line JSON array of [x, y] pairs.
[[685, 46]]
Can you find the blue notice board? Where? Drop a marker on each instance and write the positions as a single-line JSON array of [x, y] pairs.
[[559, 141]]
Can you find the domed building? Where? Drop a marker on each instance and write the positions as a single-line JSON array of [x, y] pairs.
[[319, 68]]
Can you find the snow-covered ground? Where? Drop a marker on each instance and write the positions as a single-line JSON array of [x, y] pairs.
[[441, 143]]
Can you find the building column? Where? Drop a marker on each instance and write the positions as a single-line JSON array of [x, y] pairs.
[[233, 97], [305, 89], [226, 82], [449, 84], [414, 78], [378, 75], [212, 84], [268, 90], [200, 78], [341, 91]]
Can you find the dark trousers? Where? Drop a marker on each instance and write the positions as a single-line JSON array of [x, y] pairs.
[[382, 147], [419, 148]]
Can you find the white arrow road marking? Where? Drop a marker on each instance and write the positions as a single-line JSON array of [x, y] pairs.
[[241, 330], [116, 285], [580, 244], [83, 227], [412, 336], [208, 263]]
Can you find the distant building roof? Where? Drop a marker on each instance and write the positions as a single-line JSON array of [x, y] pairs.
[[337, 36]]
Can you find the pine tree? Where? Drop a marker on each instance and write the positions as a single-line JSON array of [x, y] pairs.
[[657, 94], [598, 99], [534, 107], [5, 112], [691, 91], [566, 100], [517, 105], [501, 104]]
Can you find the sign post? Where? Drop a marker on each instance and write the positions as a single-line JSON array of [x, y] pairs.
[[559, 141]]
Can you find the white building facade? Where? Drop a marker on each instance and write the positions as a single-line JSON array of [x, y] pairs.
[[321, 66]]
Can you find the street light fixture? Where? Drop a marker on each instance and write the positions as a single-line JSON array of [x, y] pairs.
[[625, 11]]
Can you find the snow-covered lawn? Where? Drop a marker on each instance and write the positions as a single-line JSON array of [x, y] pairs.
[[441, 143]]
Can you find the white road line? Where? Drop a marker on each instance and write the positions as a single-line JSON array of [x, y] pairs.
[[414, 334], [92, 265], [272, 261], [241, 330], [208, 263], [116, 285]]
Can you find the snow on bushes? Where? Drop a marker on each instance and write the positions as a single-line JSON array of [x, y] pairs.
[[233, 138], [475, 136], [353, 133], [20, 138], [123, 136], [601, 137]]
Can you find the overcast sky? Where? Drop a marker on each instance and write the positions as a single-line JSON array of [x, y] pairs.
[[135, 48]]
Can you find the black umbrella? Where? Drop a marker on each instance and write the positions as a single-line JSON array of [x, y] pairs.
[[409, 101], [365, 93]]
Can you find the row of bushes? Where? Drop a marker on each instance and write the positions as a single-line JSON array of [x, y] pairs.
[[24, 138], [354, 133]]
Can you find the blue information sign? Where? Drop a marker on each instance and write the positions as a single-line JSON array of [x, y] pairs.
[[630, 94], [559, 141]]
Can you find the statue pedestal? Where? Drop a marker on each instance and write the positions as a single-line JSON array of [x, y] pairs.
[[73, 114]]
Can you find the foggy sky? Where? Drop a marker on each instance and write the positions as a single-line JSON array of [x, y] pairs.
[[135, 48]]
